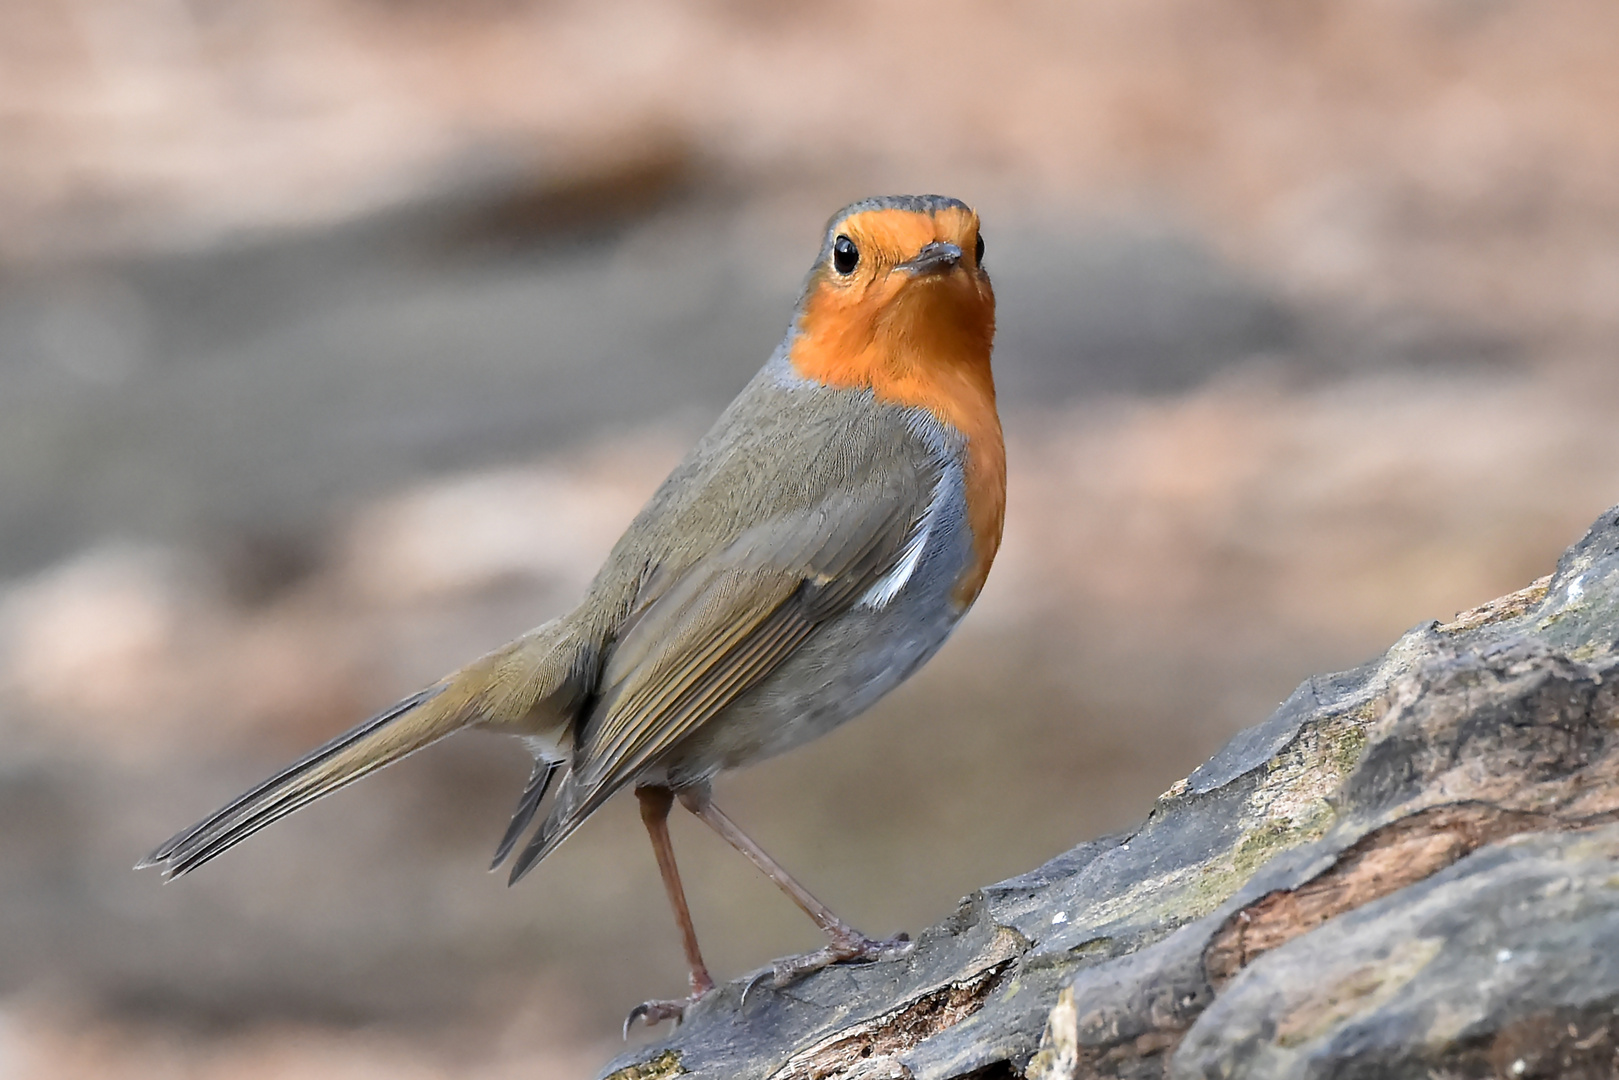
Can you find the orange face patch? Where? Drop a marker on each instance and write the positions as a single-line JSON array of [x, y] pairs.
[[916, 339]]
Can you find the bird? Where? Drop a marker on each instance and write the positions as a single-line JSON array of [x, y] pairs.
[[814, 548]]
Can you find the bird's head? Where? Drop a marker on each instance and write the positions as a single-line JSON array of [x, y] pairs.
[[900, 281]]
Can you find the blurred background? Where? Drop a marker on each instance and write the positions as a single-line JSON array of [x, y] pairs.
[[340, 338]]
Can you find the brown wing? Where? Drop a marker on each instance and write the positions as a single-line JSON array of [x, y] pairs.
[[719, 629]]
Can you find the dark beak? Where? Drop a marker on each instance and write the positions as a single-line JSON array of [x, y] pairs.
[[936, 258]]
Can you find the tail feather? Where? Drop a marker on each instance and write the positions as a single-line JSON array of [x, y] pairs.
[[392, 734], [527, 805], [572, 806]]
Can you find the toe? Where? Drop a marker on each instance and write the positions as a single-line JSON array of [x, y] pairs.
[[653, 1013], [849, 949]]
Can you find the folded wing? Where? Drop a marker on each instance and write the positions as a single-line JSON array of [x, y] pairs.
[[722, 627]]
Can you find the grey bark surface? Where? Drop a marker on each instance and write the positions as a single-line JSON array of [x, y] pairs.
[[1410, 870]]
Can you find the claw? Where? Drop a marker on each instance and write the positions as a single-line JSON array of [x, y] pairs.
[[653, 1013], [635, 1014], [754, 984]]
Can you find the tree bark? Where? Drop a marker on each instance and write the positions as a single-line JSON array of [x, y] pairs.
[[1410, 869]]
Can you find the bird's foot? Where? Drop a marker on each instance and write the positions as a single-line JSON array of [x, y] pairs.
[[851, 948], [653, 1013]]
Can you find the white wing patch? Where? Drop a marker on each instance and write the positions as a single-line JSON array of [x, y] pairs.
[[885, 588]]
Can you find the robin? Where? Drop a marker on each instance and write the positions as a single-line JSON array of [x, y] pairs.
[[815, 548]]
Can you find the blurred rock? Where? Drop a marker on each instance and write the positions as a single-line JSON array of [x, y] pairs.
[[96, 636], [40, 1041], [1442, 157], [1411, 868], [552, 524], [1327, 508]]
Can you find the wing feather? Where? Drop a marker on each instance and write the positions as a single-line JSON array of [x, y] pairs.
[[720, 629]]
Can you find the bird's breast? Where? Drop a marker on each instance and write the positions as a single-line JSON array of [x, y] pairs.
[[948, 391]]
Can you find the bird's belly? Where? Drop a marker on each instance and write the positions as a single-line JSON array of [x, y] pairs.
[[841, 671]]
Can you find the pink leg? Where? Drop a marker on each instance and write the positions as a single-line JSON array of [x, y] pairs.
[[655, 805], [846, 943]]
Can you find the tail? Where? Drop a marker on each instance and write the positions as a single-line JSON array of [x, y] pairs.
[[385, 738], [528, 688]]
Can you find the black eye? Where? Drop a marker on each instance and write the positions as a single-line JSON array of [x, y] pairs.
[[845, 256], [978, 250]]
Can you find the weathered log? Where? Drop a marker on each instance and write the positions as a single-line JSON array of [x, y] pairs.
[[1410, 869]]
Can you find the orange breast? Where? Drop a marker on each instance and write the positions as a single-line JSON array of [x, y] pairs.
[[923, 344]]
